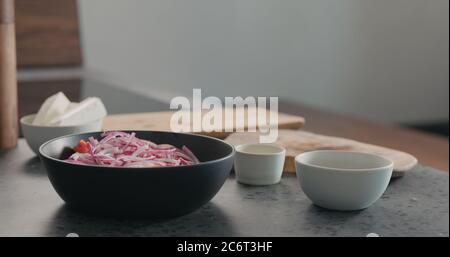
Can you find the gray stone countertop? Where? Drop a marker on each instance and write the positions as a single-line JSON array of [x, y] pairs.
[[415, 205]]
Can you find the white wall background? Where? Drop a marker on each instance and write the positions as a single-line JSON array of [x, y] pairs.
[[386, 60]]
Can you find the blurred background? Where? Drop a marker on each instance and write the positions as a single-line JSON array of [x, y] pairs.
[[382, 60]]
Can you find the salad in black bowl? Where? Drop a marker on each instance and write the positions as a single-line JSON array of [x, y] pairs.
[[137, 174]]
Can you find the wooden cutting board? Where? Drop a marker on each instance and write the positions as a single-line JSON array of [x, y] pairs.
[[298, 141], [160, 121]]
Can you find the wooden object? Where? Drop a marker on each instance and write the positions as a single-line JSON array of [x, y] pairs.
[[432, 150], [47, 33], [298, 141], [8, 82], [161, 121]]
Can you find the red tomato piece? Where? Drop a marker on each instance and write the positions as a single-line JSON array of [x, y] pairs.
[[82, 147]]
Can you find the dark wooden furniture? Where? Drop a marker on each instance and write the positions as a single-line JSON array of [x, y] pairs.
[[47, 33], [430, 149], [47, 36]]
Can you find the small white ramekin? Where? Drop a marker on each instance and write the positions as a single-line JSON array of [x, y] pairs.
[[259, 164]]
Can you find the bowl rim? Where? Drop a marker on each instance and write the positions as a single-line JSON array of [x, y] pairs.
[[22, 122], [390, 164], [231, 154], [280, 150]]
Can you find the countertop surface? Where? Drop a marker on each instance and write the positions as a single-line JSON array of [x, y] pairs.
[[414, 205]]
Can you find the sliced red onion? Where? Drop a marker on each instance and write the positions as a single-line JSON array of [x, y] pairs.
[[121, 149]]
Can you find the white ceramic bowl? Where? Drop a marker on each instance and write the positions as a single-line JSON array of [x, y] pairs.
[[259, 164], [37, 135], [342, 180]]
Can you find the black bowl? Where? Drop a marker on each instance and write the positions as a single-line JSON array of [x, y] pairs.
[[161, 192]]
